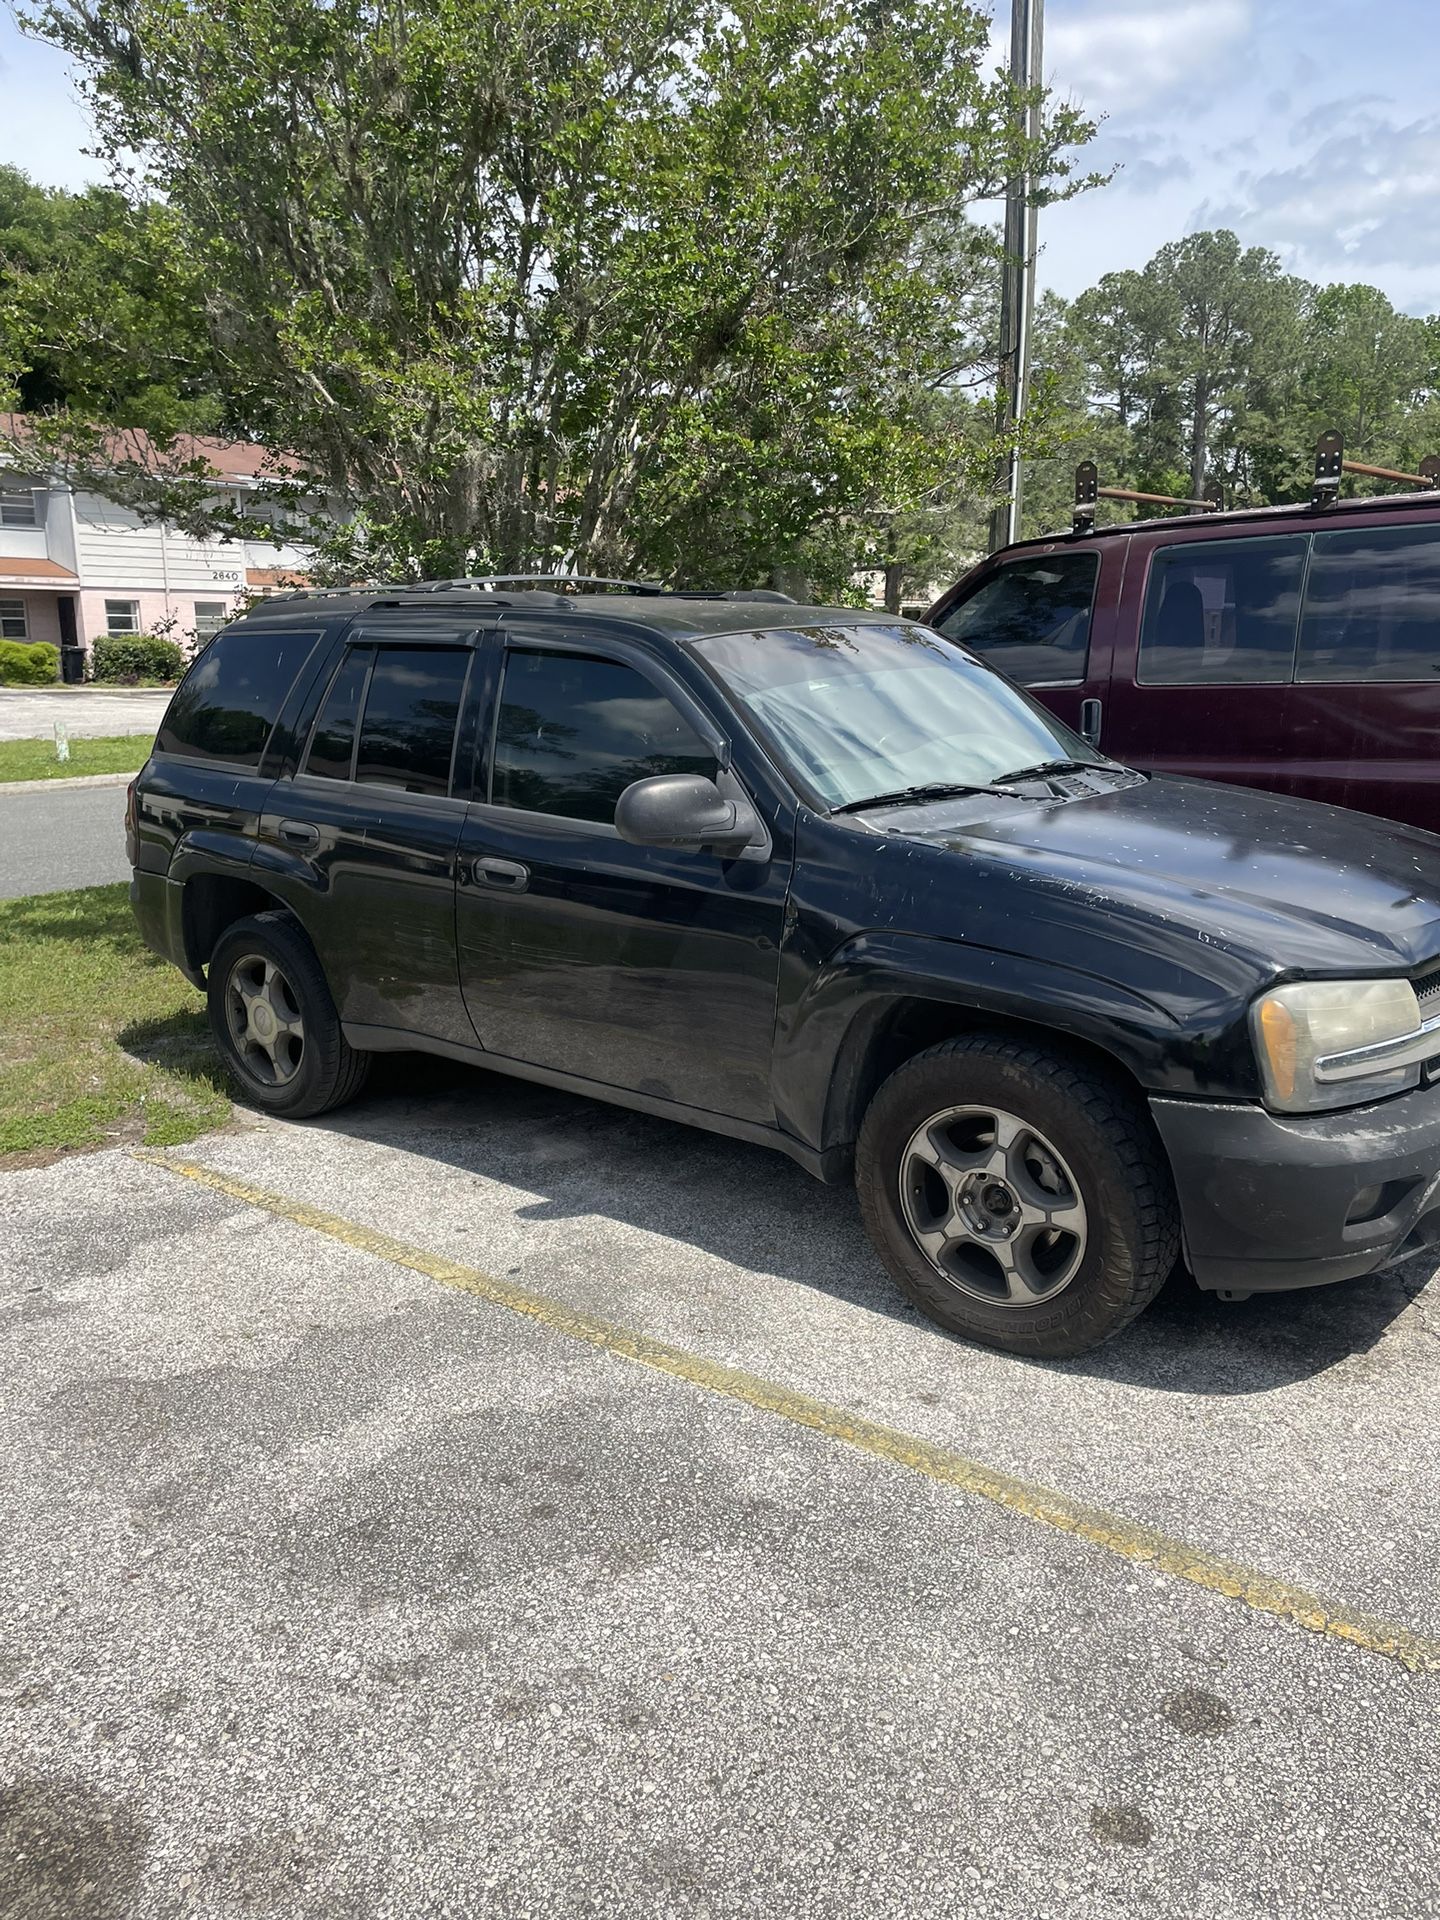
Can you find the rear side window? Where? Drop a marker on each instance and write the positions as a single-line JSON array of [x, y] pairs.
[[572, 733], [1031, 619], [412, 705], [1222, 613], [332, 745], [1372, 606], [230, 699]]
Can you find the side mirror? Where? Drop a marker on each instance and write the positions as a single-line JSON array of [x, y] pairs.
[[684, 810]]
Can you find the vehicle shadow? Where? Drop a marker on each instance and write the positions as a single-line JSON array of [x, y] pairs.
[[754, 1208]]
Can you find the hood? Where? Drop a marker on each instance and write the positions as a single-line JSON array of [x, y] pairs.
[[1290, 885]]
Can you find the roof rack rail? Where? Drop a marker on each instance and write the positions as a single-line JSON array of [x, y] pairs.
[[1088, 490], [772, 596], [572, 582], [1331, 464]]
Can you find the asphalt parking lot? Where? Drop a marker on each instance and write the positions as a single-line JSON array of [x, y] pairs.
[[336, 1585], [30, 713]]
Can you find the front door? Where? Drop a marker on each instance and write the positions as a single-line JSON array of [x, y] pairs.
[[1044, 619], [634, 967]]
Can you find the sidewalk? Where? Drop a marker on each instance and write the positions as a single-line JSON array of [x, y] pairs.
[[65, 786]]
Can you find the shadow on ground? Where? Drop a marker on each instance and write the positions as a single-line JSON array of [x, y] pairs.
[[753, 1208]]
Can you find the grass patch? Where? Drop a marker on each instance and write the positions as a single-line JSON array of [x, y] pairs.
[[100, 1039], [35, 759]]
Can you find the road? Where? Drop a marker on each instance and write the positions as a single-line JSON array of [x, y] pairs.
[[71, 838], [344, 1579], [88, 712]]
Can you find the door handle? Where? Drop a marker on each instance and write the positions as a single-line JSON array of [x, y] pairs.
[[1090, 717], [508, 876], [299, 833]]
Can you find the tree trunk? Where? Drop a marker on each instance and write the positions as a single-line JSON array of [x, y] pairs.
[[1199, 448]]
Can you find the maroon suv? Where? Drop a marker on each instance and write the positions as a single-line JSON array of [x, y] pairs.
[[1293, 648]]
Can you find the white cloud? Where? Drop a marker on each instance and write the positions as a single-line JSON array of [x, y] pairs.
[[1122, 54], [1364, 199]]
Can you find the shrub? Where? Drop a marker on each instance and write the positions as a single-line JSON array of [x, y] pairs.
[[33, 663], [121, 657]]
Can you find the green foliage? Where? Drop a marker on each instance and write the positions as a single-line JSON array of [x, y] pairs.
[[28, 663], [119, 658], [623, 284], [1211, 364], [101, 310]]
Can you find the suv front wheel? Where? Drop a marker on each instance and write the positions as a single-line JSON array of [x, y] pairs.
[[275, 1022], [1017, 1197]]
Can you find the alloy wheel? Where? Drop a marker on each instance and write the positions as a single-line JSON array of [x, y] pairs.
[[992, 1206], [264, 1019]]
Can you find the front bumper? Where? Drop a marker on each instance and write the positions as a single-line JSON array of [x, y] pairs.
[[1270, 1201]]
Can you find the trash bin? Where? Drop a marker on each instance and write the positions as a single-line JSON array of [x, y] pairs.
[[72, 665]]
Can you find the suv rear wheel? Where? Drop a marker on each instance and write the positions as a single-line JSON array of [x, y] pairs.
[[275, 1022], [1017, 1197]]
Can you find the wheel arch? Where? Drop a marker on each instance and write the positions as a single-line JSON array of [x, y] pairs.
[[214, 901], [883, 1037]]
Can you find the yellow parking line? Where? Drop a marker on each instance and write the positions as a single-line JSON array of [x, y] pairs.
[[1127, 1539]]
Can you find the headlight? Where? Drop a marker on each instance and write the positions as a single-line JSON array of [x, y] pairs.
[[1336, 1043]]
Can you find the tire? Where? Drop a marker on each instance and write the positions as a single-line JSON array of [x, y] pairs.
[[304, 1067], [1016, 1196]]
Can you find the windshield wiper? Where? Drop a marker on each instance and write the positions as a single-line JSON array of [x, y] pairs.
[[1043, 767], [933, 790]]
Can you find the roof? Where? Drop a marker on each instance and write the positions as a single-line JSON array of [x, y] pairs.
[[1301, 510], [283, 577], [226, 459], [676, 614], [23, 567]]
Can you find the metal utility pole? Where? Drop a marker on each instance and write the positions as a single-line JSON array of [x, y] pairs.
[[1017, 286]]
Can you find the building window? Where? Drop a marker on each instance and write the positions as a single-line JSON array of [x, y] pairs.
[[17, 507], [12, 620], [122, 616], [210, 616]]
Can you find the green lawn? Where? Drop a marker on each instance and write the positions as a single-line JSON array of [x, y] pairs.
[[35, 759], [99, 1039]]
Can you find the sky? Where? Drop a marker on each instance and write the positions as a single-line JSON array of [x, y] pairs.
[[1308, 126]]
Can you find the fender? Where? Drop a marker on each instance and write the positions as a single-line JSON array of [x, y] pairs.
[[828, 1036]]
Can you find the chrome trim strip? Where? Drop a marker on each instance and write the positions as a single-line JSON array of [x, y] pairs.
[[1360, 1062]]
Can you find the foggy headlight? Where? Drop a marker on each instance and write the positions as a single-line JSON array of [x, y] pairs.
[[1313, 1039]]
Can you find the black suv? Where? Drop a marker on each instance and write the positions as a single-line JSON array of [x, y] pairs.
[[819, 879]]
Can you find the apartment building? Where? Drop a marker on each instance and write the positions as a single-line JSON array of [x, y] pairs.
[[75, 565]]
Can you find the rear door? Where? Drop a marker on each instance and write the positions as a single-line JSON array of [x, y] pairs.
[[1044, 619], [1366, 718], [363, 837], [1204, 655], [644, 968]]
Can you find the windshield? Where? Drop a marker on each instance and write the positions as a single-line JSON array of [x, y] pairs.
[[865, 710]]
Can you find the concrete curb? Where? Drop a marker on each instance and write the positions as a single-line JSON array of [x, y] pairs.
[[66, 786]]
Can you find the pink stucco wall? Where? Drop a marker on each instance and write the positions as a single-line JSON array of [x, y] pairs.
[[153, 610], [41, 617]]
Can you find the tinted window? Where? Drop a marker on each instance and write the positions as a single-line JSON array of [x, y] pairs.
[[332, 745], [1372, 606], [573, 733], [229, 700], [408, 733], [1032, 618], [1222, 613]]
